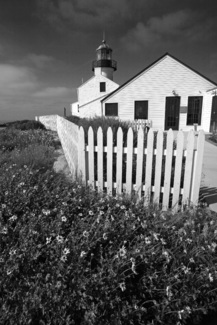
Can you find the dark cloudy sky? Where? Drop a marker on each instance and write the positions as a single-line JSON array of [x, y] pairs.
[[47, 46]]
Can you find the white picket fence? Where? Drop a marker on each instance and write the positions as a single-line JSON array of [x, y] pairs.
[[99, 164], [137, 124]]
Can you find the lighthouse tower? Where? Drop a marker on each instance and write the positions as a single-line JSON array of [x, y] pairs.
[[104, 65]]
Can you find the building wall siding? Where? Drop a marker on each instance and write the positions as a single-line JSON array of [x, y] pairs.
[[90, 90], [155, 84], [91, 109]]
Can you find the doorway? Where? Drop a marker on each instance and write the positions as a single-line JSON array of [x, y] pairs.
[[172, 113], [213, 120]]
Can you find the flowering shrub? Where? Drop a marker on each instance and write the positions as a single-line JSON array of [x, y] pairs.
[[71, 256], [26, 125], [11, 139]]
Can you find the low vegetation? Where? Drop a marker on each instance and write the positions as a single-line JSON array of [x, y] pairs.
[[213, 137], [69, 255]]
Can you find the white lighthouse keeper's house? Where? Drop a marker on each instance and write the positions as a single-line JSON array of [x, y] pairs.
[[91, 92]]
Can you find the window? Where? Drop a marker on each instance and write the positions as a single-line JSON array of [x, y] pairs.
[[111, 109], [141, 110], [194, 110], [102, 86]]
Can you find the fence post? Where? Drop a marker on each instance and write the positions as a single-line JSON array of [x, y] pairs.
[[129, 183], [91, 157], [188, 168], [168, 169], [109, 161], [158, 167], [178, 170], [139, 163], [82, 155], [197, 168], [119, 170], [149, 161], [100, 159]]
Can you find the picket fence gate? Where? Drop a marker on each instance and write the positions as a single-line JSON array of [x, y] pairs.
[[190, 155]]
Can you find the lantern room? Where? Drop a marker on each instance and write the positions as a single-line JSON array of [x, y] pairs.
[[104, 64]]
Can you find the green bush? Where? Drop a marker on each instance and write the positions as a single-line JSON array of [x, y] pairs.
[[26, 125], [71, 256]]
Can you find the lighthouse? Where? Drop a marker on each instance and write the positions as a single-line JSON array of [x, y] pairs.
[[104, 65]]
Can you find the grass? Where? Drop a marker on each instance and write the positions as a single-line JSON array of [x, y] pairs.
[[69, 255]]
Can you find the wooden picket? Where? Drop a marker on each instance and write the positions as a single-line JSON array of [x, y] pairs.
[[100, 159], [109, 160], [168, 169], [129, 174], [185, 164], [119, 161]]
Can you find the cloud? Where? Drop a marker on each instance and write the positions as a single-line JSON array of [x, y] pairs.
[[157, 30], [50, 92], [15, 79], [40, 61], [23, 95], [82, 14]]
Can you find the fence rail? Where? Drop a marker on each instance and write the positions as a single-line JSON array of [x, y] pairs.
[[157, 171]]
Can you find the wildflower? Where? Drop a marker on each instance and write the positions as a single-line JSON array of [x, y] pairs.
[[155, 235], [91, 213], [4, 230], [191, 260], [24, 191], [105, 236], [117, 205], [6, 193], [46, 212], [186, 269], [147, 240], [180, 313], [64, 258], [12, 252], [210, 277], [57, 196], [9, 272], [13, 218], [66, 251], [188, 240], [101, 213], [48, 240], [133, 268], [83, 253], [60, 239], [213, 246], [144, 224], [122, 251], [64, 203], [123, 207], [112, 218], [1, 260], [162, 241], [3, 206], [85, 233], [25, 166], [188, 309], [122, 286], [80, 214], [58, 285], [64, 219]]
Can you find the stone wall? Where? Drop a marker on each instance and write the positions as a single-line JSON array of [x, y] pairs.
[[49, 121], [68, 135]]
